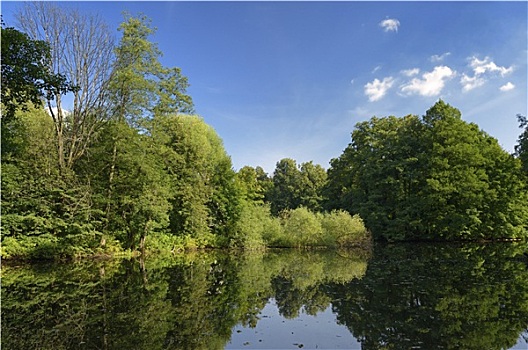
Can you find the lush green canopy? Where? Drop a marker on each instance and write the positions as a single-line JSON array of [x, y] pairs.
[[435, 177]]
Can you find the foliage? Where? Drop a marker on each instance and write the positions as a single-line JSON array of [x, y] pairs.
[[435, 177], [81, 47], [254, 224], [205, 198], [25, 75], [521, 149], [140, 86], [295, 186], [301, 227], [342, 230], [253, 184], [45, 214]]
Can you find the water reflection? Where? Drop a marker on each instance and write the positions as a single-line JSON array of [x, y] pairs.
[[437, 297], [403, 296]]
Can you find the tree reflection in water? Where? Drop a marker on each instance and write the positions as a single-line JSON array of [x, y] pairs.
[[401, 296]]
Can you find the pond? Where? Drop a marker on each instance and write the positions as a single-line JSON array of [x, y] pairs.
[[401, 296]]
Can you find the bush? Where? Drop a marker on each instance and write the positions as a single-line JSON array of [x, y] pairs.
[[302, 228], [342, 230], [256, 228]]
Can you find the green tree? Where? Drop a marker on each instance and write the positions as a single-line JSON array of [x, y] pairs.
[[141, 86], [437, 177], [295, 186], [285, 192], [140, 89], [521, 149], [473, 189], [141, 192], [252, 187], [205, 197], [45, 214], [25, 74], [377, 175], [312, 182]]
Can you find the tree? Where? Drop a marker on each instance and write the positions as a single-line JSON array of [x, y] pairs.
[[251, 186], [285, 192], [521, 149], [45, 214], [25, 74], [140, 86], [313, 180], [81, 52], [205, 198], [295, 186], [437, 177]]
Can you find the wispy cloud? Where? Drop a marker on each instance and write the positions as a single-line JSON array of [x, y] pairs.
[[410, 72], [377, 68], [376, 89], [486, 65], [439, 58], [507, 87], [390, 24], [470, 83], [481, 70], [431, 83]]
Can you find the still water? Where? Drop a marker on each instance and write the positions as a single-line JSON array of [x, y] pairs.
[[404, 296]]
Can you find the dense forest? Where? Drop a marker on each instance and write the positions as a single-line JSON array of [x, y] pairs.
[[129, 167]]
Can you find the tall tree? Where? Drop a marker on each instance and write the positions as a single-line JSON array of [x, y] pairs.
[[437, 177], [140, 200], [251, 188], [285, 192], [312, 182], [140, 87], [295, 186], [81, 50], [205, 198]]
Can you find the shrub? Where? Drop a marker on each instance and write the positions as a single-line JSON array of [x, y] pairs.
[[302, 227], [341, 230]]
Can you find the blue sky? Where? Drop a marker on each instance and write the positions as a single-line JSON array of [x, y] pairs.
[[291, 79]]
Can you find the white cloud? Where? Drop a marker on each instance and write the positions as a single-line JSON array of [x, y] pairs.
[[507, 87], [431, 83], [377, 68], [481, 70], [377, 89], [438, 58], [410, 72], [390, 24], [470, 83], [486, 65]]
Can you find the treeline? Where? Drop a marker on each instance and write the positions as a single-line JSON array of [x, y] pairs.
[[129, 167]]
